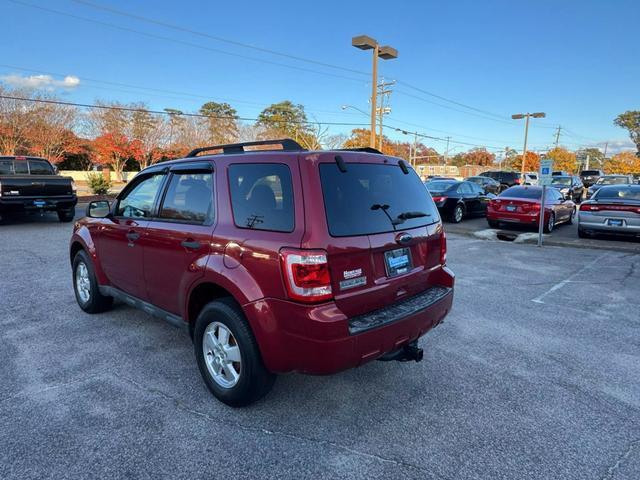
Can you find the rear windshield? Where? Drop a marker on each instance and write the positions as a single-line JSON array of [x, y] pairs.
[[372, 198], [439, 185], [614, 193], [522, 192], [561, 181], [6, 167], [590, 172], [612, 180]]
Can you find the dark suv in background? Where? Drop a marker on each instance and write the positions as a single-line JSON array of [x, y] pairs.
[[589, 177], [505, 178], [275, 261]]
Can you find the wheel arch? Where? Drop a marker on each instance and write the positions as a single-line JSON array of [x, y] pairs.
[[202, 294]]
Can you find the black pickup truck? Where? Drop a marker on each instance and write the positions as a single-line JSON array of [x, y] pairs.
[[32, 185]]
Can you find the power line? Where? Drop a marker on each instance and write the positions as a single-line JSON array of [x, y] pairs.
[[492, 116], [180, 42], [215, 37], [161, 112]]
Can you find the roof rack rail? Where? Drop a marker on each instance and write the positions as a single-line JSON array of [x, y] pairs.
[[361, 149], [287, 144]]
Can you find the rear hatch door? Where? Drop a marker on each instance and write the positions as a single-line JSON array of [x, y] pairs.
[[384, 232]]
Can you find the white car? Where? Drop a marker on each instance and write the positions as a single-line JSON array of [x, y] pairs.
[[531, 178]]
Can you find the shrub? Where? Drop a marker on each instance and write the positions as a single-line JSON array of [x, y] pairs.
[[98, 184]]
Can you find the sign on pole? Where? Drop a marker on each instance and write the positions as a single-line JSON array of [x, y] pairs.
[[544, 179]]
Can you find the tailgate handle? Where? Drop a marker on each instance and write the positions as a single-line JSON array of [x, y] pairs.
[[132, 235], [191, 244]]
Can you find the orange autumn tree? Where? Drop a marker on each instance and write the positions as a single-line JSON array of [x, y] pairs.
[[115, 149], [563, 159], [623, 162], [532, 162]]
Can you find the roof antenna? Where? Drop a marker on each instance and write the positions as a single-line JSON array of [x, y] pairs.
[[403, 166], [341, 165]]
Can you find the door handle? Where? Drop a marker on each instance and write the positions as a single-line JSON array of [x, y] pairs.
[[132, 235], [191, 244]]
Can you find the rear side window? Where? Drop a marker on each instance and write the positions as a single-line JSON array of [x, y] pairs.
[[374, 198], [262, 196], [40, 167], [590, 172], [189, 198]]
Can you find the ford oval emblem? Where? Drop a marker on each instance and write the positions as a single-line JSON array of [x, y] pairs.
[[403, 238]]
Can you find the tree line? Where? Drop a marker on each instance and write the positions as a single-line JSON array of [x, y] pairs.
[[130, 136]]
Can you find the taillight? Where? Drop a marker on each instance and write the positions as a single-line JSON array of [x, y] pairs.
[[439, 199], [590, 207], [517, 181], [306, 274], [443, 248], [526, 207]]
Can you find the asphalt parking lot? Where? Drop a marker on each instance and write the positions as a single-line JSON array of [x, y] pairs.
[[533, 375]]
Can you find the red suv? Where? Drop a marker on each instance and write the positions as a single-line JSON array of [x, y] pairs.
[[274, 260]]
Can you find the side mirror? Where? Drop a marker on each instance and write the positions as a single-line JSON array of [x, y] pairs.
[[98, 209]]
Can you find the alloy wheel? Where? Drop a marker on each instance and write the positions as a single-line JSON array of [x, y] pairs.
[[83, 284], [222, 355]]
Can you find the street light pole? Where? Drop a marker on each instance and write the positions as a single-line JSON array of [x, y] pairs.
[[364, 42], [374, 95], [526, 116]]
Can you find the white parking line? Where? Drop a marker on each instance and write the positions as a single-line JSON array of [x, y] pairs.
[[559, 285]]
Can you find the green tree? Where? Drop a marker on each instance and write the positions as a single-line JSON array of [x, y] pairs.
[[222, 122], [631, 121], [284, 118]]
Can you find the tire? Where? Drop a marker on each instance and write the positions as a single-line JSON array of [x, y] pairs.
[[66, 216], [89, 298], [493, 223], [549, 225], [458, 214], [571, 217], [583, 234], [237, 383]]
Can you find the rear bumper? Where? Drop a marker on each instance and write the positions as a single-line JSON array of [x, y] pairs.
[[36, 204], [519, 218], [322, 340], [601, 224]]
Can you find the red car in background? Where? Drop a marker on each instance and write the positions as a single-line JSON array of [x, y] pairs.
[[521, 205]]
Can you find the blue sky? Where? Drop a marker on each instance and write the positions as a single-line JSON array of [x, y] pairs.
[[575, 60]]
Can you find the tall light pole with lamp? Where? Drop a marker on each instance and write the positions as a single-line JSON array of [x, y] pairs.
[[519, 116], [386, 52]]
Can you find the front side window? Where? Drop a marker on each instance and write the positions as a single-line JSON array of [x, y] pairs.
[[138, 202], [189, 198], [40, 167], [262, 196]]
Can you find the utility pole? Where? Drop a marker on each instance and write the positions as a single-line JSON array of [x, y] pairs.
[[386, 53], [504, 159], [383, 93], [605, 150], [446, 152], [558, 135]]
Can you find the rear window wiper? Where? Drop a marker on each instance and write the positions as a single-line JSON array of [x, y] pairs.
[[408, 215]]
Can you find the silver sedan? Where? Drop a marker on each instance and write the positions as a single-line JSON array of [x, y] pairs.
[[613, 209]]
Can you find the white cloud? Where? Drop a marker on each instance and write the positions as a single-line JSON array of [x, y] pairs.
[[615, 146], [46, 82]]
